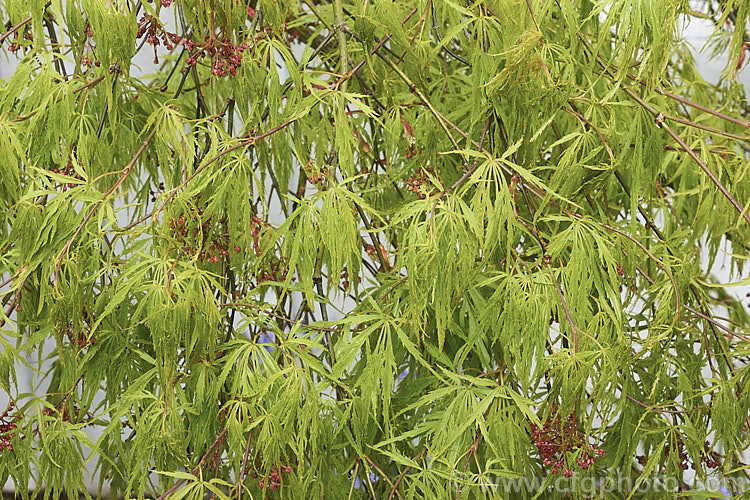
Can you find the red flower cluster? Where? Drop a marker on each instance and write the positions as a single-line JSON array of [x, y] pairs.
[[227, 56], [8, 427], [709, 458], [276, 271], [314, 173], [80, 339], [273, 481], [19, 37], [201, 238], [345, 279], [556, 440], [86, 62], [154, 30], [68, 171], [256, 225], [418, 183]]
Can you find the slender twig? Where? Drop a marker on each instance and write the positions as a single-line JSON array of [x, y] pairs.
[[15, 28], [356, 68], [533, 17], [382, 474], [610, 70], [716, 323], [710, 174], [16, 296], [53, 38], [436, 29], [414, 89], [460, 180], [711, 130], [650, 224], [354, 71], [245, 143], [660, 121], [663, 92], [659, 410], [171, 272], [500, 163], [572, 325], [105, 109], [89, 84], [404, 473], [473, 167], [721, 152], [692, 104], [82, 87], [652, 257], [243, 469], [19, 271], [195, 469], [384, 264], [319, 48], [372, 488], [289, 321], [125, 173], [594, 128], [420, 23], [354, 480], [473, 449], [176, 64], [338, 11]]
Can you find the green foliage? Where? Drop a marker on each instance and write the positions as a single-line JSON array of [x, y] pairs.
[[379, 249]]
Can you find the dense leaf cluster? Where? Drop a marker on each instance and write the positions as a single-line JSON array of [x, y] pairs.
[[397, 249]]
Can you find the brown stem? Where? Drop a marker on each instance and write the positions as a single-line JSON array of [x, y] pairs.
[[533, 17], [620, 179], [717, 324], [12, 305], [710, 174], [414, 90], [197, 467], [289, 321], [382, 474], [436, 29], [659, 410], [660, 117], [722, 152], [247, 142], [606, 64], [125, 173], [572, 325], [473, 448], [338, 11], [403, 473], [19, 271], [14, 29], [85, 86], [687, 102], [171, 269], [460, 180], [421, 21], [243, 469], [658, 263]]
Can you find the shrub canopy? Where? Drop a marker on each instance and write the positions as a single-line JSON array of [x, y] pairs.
[[397, 249]]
